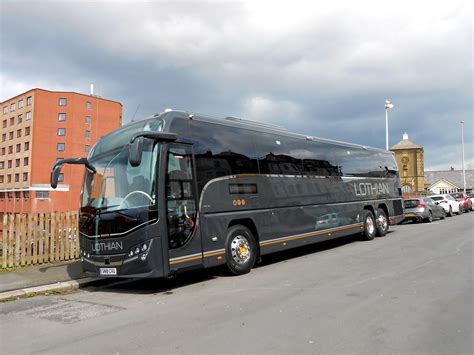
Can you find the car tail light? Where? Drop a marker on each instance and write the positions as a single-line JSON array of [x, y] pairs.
[[421, 204]]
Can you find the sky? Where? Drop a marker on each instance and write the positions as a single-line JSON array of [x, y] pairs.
[[321, 68]]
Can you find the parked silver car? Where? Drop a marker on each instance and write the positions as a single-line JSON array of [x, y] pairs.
[[423, 209]]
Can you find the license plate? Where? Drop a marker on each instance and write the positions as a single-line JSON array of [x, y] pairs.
[[409, 214], [108, 271]]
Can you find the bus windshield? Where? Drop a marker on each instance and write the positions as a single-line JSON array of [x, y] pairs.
[[117, 185]]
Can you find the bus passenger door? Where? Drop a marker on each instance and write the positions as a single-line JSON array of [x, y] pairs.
[[184, 241]]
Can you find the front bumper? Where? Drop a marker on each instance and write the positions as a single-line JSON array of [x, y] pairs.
[[121, 265]]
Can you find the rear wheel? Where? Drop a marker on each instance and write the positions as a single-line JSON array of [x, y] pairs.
[[240, 250], [382, 222], [370, 226], [443, 214]]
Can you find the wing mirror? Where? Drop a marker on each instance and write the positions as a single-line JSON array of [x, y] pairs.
[[136, 144], [135, 151], [59, 164]]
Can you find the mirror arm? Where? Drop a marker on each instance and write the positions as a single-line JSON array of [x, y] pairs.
[[76, 161], [157, 136]]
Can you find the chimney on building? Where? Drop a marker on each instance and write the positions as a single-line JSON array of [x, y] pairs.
[[92, 89], [405, 136]]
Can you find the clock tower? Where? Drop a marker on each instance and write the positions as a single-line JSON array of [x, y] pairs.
[[410, 162]]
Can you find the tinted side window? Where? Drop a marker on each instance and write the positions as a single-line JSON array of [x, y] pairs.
[[360, 162], [279, 154], [319, 159], [222, 150]]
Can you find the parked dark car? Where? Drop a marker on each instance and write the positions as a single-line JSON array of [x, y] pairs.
[[423, 209], [464, 201]]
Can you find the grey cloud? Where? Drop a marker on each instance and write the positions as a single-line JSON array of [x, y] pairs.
[[326, 75]]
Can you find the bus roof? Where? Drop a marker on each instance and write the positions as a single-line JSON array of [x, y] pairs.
[[255, 126]]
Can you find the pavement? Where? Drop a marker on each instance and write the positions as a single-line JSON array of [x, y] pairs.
[[39, 279]]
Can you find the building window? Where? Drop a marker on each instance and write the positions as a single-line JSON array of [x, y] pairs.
[[61, 147], [1, 182], [4, 124], [9, 178], [27, 146], [13, 106], [9, 164], [3, 151], [28, 100], [26, 195], [88, 105], [61, 117], [17, 177], [2, 164], [61, 177], [20, 103], [4, 137], [20, 119], [28, 116], [87, 148], [62, 102], [18, 148], [25, 176], [27, 131], [61, 131], [12, 121], [88, 119], [17, 195], [5, 110], [25, 161], [88, 134], [17, 163], [42, 195], [10, 193], [18, 133], [10, 149], [10, 135]]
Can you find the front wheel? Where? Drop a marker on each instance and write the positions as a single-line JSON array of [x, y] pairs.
[[382, 222], [461, 210], [240, 250], [370, 228], [429, 219]]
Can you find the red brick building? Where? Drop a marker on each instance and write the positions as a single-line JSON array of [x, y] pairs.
[[37, 128]]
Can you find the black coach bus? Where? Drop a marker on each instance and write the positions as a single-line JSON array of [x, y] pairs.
[[178, 191]]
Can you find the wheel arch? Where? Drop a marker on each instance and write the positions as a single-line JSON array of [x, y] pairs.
[[384, 207], [370, 208]]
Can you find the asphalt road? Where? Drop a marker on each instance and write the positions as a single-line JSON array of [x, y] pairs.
[[409, 292]]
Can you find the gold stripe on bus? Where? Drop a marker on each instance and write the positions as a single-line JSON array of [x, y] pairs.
[[310, 234], [214, 254], [172, 262]]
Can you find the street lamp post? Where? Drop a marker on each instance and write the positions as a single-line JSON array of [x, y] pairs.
[[462, 149], [388, 106]]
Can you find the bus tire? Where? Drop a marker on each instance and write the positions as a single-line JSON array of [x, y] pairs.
[[370, 226], [382, 222], [240, 250]]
